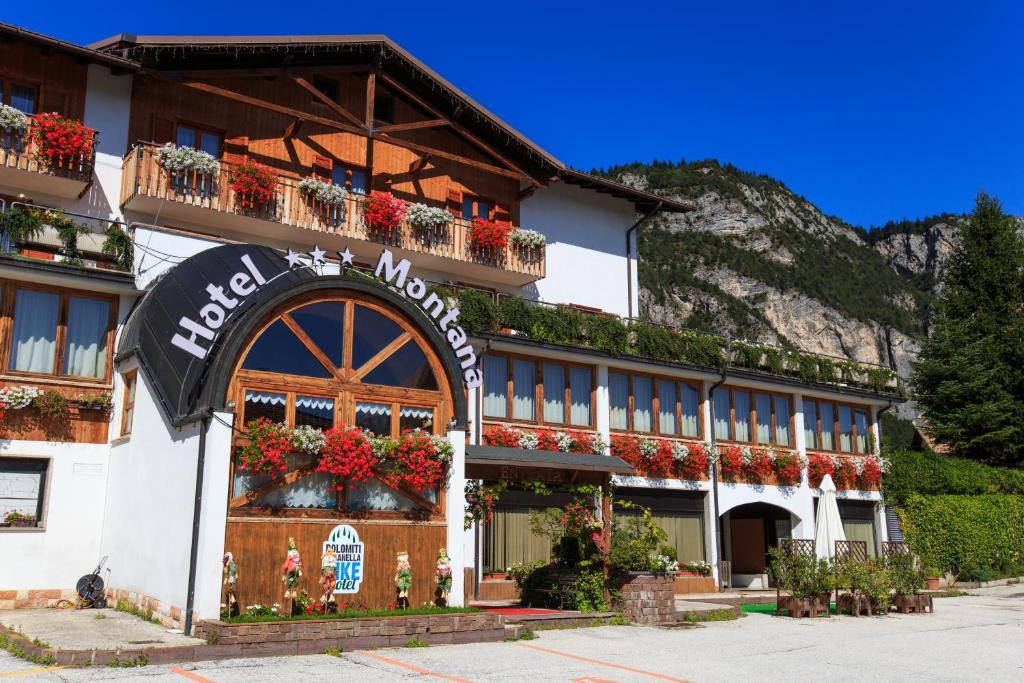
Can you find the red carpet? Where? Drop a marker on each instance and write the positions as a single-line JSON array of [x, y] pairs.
[[511, 611]]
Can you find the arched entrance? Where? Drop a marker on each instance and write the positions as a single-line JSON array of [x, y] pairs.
[[748, 531]]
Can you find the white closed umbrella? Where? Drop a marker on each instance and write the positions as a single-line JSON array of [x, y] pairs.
[[828, 527]]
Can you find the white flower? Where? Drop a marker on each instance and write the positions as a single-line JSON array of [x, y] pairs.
[[680, 451], [523, 237], [443, 447], [328, 193], [309, 440], [11, 118], [564, 442], [178, 159], [528, 440], [712, 452], [16, 398], [425, 217], [648, 447], [598, 446]]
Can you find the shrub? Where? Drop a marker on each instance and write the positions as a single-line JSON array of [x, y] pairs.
[[118, 243], [23, 224], [928, 473], [51, 404]]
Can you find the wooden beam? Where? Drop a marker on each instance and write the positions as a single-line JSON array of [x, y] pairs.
[[371, 96], [289, 478], [292, 129], [242, 72], [456, 127], [396, 127], [334, 106], [497, 170], [417, 166]]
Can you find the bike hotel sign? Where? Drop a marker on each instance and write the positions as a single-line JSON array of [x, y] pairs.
[[344, 542]]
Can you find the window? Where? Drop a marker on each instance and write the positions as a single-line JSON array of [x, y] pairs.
[[476, 207], [128, 403], [752, 417], [562, 392], [22, 489], [198, 138], [662, 406], [57, 332], [21, 97], [352, 178], [836, 427]]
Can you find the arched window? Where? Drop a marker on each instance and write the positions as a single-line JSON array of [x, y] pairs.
[[334, 360]]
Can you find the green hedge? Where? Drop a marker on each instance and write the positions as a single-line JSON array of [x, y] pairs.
[[974, 536], [610, 334], [928, 473]]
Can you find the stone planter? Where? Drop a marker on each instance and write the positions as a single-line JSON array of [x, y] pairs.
[[913, 604], [648, 598]]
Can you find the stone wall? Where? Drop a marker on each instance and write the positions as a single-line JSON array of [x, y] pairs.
[[649, 598]]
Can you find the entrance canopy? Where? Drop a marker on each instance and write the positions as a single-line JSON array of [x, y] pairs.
[[520, 464]]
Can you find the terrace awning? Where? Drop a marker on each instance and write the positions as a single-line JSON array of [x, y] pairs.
[[520, 464]]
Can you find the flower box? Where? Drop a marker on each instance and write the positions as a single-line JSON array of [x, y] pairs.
[[933, 583], [856, 605], [812, 606], [914, 604], [495, 576]]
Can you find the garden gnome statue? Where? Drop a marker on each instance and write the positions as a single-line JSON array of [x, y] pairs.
[[291, 570], [443, 577], [403, 579], [230, 571], [328, 567]]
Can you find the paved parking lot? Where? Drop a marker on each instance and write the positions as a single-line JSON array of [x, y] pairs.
[[977, 637]]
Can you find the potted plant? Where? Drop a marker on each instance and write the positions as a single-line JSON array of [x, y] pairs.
[[61, 142], [254, 185], [818, 465], [12, 120], [348, 454], [691, 460], [419, 460], [16, 519], [382, 214], [489, 239], [429, 222], [102, 402], [267, 448], [933, 577], [327, 194], [529, 242], [177, 160], [788, 468]]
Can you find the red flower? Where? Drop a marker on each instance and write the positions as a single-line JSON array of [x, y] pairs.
[[547, 440], [845, 474], [383, 212], [254, 185], [695, 466], [627, 447], [416, 464], [348, 455], [660, 463], [758, 466], [60, 141], [582, 442], [500, 435], [818, 465], [730, 462], [489, 236], [268, 447], [787, 468], [870, 474]]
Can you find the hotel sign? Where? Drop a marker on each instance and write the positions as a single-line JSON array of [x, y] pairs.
[[343, 542]]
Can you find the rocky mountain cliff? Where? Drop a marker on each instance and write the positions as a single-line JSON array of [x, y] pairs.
[[758, 262]]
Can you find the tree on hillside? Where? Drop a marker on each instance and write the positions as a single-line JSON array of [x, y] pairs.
[[969, 377]]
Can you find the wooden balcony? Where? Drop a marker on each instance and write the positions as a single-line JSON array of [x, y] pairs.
[[22, 170], [295, 219]]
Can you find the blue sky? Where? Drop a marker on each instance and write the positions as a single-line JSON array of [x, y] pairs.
[[870, 110]]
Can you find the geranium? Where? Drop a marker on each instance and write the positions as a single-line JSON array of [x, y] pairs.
[[308, 440], [505, 437], [577, 518], [267, 447], [627, 447], [659, 463], [383, 212], [547, 440], [818, 465], [691, 460], [178, 159], [758, 464], [845, 474], [416, 463], [348, 454], [869, 473], [787, 468], [323, 192], [730, 462], [423, 217], [16, 398], [528, 239], [60, 141], [480, 501], [11, 118], [489, 236], [254, 185], [585, 442]]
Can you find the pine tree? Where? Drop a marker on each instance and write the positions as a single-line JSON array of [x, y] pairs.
[[969, 377]]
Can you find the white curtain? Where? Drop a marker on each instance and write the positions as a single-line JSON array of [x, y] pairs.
[[580, 384], [315, 403], [524, 384], [845, 429], [782, 420], [86, 352], [618, 400], [418, 413], [810, 423], [862, 431], [763, 402], [373, 409], [643, 404], [828, 427], [741, 402], [265, 397], [34, 338], [720, 398], [554, 393], [495, 386], [666, 407], [689, 400]]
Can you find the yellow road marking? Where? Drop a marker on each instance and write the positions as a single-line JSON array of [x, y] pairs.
[[27, 672]]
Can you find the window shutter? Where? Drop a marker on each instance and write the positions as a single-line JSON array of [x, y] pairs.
[[236, 149], [501, 215], [323, 168], [53, 100], [454, 202], [163, 130]]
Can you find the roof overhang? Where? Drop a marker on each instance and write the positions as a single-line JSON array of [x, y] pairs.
[[87, 53], [520, 464], [644, 201]]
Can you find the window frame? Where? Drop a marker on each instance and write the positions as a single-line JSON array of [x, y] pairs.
[[655, 379], [8, 294], [836, 441], [130, 379], [350, 169], [538, 393], [43, 503], [199, 129], [5, 91], [476, 200], [773, 437]]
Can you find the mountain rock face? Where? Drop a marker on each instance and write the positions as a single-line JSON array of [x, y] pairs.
[[758, 262]]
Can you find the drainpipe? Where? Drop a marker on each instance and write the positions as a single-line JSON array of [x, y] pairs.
[[196, 511], [629, 256], [714, 468]]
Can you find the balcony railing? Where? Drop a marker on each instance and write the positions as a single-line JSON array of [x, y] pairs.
[[22, 166], [144, 178]]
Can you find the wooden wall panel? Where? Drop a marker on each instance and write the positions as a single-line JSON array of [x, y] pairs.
[[79, 426], [259, 547], [59, 78]]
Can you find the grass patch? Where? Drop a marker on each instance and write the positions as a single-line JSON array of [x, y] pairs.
[[128, 662], [524, 634], [724, 614], [333, 651], [130, 608], [416, 642], [101, 615], [361, 614], [754, 608], [616, 620], [39, 642]]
